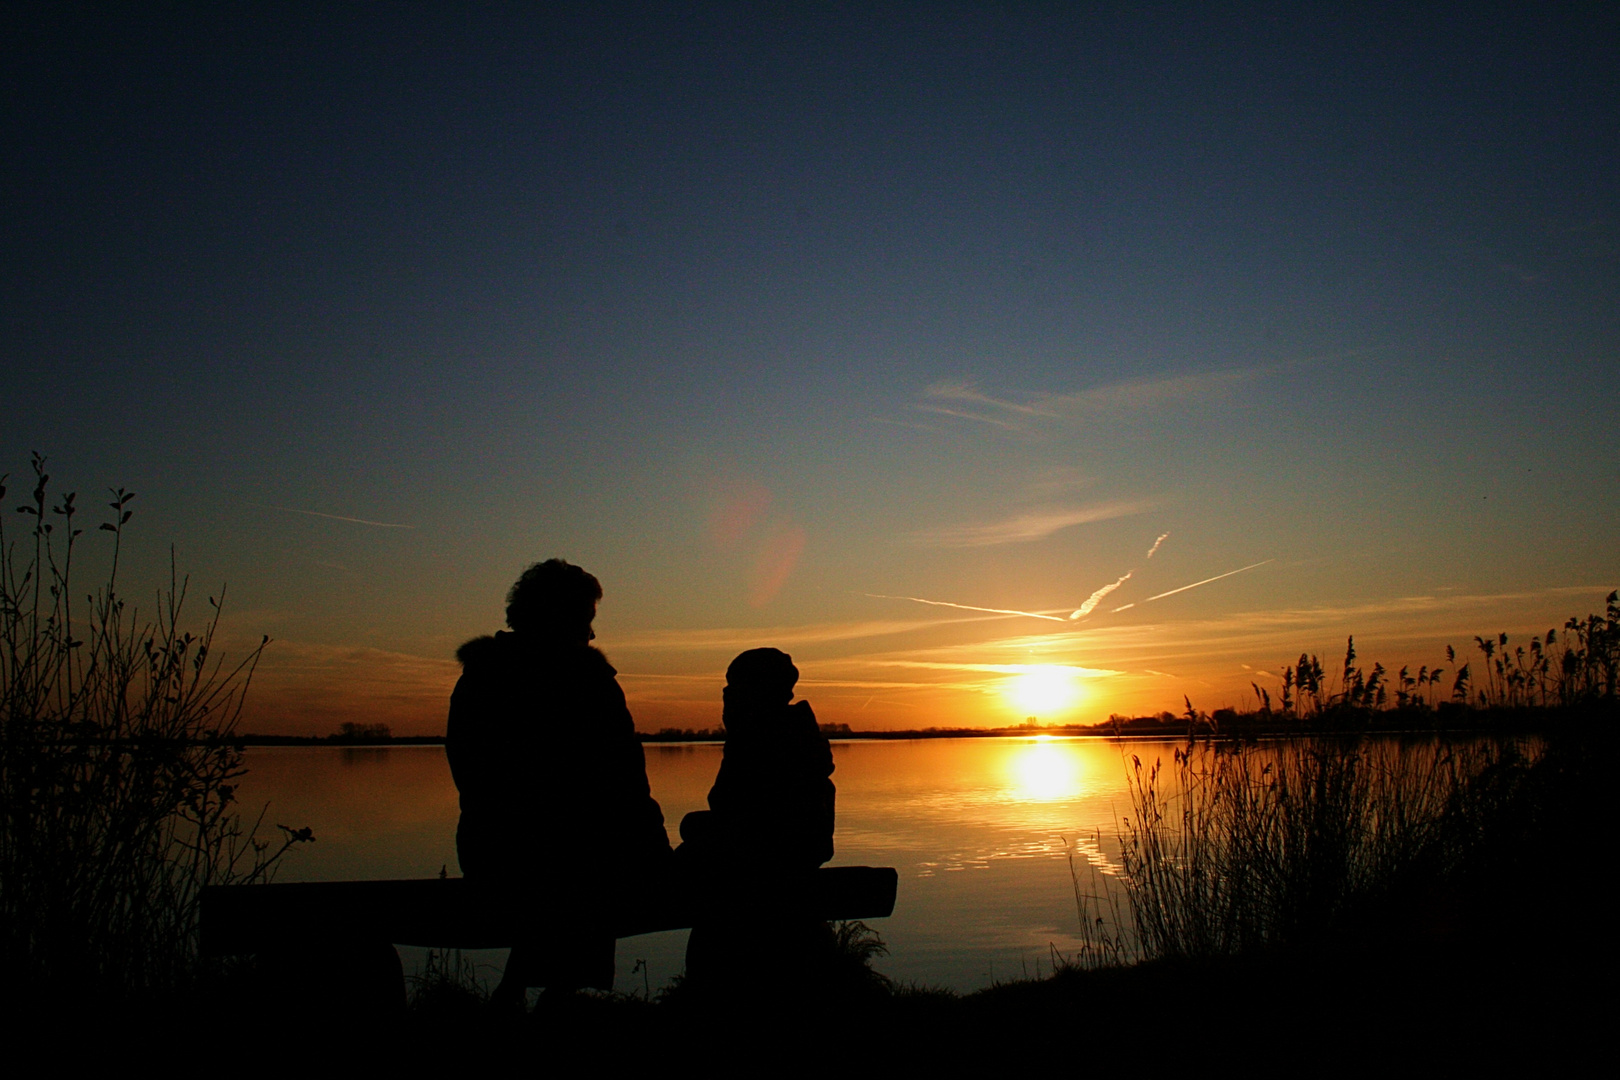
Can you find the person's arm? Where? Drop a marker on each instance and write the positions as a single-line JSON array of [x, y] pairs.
[[632, 793]]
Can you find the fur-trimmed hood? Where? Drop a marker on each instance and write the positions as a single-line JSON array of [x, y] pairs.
[[507, 647]]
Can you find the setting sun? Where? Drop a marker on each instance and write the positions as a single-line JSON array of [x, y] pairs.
[[1043, 690]]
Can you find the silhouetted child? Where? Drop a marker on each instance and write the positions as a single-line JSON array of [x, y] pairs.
[[768, 827], [771, 807]]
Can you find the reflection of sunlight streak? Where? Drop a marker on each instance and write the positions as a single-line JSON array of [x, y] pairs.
[[1046, 770], [965, 607], [1088, 848]]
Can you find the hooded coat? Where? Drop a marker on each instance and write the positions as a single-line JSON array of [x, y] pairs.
[[552, 777], [773, 799]]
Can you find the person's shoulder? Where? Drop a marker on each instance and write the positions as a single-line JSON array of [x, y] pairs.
[[801, 720], [507, 647], [580, 664], [478, 652], [595, 660]]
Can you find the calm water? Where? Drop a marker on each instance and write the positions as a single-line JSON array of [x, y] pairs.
[[976, 827]]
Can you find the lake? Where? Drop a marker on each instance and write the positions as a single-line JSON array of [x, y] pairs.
[[981, 831]]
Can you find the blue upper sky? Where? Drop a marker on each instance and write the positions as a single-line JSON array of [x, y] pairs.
[[768, 315]]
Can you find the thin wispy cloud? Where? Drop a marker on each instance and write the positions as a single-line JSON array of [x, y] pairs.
[[1403, 607], [965, 607], [963, 414], [746, 637], [998, 669], [1136, 394], [1097, 597], [870, 684], [905, 424], [333, 517], [965, 401], [1056, 484], [1025, 527], [962, 391], [313, 687], [1196, 584], [1176, 651]]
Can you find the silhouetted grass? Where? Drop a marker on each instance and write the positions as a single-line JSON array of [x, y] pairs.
[[447, 986], [1547, 680], [1238, 847], [117, 774]]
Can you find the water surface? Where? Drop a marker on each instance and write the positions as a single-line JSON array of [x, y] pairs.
[[981, 831]]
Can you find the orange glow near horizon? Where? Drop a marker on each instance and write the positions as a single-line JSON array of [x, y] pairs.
[[898, 676]]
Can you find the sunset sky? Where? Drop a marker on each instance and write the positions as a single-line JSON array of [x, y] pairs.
[[894, 338]]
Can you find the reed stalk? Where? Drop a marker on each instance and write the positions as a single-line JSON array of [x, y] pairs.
[[1241, 847], [118, 771]]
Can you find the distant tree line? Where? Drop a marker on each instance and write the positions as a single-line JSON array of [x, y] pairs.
[[350, 732]]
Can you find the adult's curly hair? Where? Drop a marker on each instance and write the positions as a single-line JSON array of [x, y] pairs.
[[554, 593]]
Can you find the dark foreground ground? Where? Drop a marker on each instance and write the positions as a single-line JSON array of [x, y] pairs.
[[1494, 992], [1507, 965]]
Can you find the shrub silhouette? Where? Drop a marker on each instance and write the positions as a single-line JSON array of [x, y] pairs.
[[117, 770]]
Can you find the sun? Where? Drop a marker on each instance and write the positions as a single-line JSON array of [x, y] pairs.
[[1042, 690]]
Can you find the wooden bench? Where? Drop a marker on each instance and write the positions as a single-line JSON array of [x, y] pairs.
[[330, 943]]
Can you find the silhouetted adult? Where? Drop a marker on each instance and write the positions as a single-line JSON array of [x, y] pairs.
[[556, 813], [768, 827]]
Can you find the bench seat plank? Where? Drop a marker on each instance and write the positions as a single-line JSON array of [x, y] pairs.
[[448, 913]]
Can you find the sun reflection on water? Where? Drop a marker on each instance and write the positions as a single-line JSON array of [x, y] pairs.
[[1045, 769]]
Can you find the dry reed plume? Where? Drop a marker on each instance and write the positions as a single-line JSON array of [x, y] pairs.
[[1238, 847]]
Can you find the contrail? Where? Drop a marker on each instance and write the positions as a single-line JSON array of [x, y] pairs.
[[1206, 581], [1097, 597], [333, 517], [966, 607], [1162, 538]]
